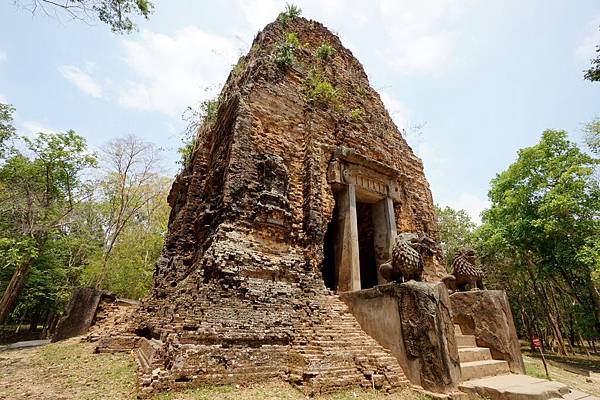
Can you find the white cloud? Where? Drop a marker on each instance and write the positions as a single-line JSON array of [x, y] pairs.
[[398, 110], [82, 80], [34, 127], [421, 38], [472, 203], [259, 13], [173, 72], [2, 56], [417, 37], [587, 48]]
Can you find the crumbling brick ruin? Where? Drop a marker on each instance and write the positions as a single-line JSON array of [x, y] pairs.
[[290, 197]]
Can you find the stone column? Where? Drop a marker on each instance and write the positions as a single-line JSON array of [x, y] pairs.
[[347, 263], [384, 223]]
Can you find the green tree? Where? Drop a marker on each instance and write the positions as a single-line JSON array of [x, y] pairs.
[[131, 263], [130, 186], [115, 13], [41, 187], [7, 129], [545, 221], [456, 230], [593, 74], [592, 136]]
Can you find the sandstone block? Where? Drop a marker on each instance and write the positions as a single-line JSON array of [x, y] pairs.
[[414, 321], [486, 314], [79, 313]]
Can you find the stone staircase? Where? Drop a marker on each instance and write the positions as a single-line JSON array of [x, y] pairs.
[[476, 362], [488, 378]]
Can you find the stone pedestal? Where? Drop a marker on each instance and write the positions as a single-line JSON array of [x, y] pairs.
[[486, 314], [414, 321]]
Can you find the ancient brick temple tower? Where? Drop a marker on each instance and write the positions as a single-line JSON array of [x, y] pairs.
[[290, 197]]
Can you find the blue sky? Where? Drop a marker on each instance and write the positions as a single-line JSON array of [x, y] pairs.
[[482, 78]]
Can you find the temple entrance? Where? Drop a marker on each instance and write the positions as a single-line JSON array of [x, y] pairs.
[[328, 267], [366, 245], [358, 239], [362, 230]]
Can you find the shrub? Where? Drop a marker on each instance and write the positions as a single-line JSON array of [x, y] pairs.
[[292, 39], [356, 113], [239, 67], [284, 55], [208, 109], [320, 92], [291, 11], [325, 51]]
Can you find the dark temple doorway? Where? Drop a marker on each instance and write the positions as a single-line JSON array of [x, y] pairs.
[[366, 245], [328, 270]]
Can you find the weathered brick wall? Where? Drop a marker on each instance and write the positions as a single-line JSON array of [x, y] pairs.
[[238, 294]]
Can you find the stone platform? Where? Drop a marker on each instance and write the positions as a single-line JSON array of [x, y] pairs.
[[521, 387]]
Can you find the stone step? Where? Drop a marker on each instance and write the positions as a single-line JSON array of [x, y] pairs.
[[466, 341], [578, 395], [480, 369], [468, 354], [457, 330], [515, 387]]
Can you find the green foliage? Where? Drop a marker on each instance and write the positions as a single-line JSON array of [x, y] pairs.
[[284, 54], [130, 264], [41, 187], [544, 226], [209, 109], [456, 230], [291, 11], [117, 14], [197, 118], [292, 39], [7, 129], [356, 113], [56, 227], [325, 51], [239, 67], [319, 91], [593, 74], [592, 136]]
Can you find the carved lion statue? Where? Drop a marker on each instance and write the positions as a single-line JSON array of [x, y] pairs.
[[407, 258], [465, 271]]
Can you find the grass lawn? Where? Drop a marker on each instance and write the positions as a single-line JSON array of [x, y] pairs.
[[534, 367]]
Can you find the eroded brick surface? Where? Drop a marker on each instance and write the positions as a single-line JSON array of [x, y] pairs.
[[238, 294]]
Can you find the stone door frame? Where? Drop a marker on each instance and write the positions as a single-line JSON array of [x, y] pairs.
[[355, 178]]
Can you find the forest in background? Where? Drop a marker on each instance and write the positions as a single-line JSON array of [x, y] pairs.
[[70, 216], [540, 239]]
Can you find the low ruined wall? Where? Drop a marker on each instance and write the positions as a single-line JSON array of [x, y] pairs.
[[486, 314], [413, 320], [79, 313]]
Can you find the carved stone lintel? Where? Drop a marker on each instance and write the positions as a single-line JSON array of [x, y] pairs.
[[373, 179]]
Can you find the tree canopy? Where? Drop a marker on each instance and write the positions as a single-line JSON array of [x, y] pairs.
[[593, 73], [67, 220], [117, 14]]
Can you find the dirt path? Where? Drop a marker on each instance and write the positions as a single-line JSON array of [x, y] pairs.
[[65, 371]]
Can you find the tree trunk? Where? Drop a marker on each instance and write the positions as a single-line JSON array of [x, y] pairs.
[[12, 290], [596, 299], [525, 319], [552, 321], [35, 320]]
